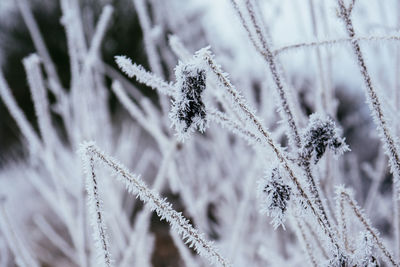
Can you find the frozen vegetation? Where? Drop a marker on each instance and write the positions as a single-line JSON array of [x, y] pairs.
[[255, 133]]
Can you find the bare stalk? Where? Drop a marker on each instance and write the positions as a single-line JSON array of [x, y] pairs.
[[342, 223], [345, 197], [374, 102], [40, 100], [322, 219], [285, 107], [150, 47], [149, 44], [138, 115], [308, 246], [317, 239], [55, 238], [18, 115], [322, 89], [266, 52], [23, 257], [334, 42], [267, 138], [143, 76], [391, 148], [54, 80], [96, 210], [226, 122], [163, 209]]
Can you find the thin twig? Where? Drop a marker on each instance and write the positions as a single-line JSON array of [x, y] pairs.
[[237, 98], [164, 210], [391, 148], [345, 197], [339, 41]]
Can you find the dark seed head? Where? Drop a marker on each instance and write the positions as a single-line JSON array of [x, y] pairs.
[[194, 83], [188, 109], [275, 196], [320, 134]]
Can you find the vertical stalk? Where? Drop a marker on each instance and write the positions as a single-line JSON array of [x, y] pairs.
[[391, 148], [286, 112]]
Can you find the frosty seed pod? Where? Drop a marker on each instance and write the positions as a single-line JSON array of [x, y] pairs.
[[188, 110], [274, 195], [320, 134]]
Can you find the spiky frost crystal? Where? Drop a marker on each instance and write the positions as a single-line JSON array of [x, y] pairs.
[[188, 109], [364, 253], [321, 133], [274, 195]]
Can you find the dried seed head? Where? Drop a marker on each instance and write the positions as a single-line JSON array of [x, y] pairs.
[[274, 195], [188, 109], [321, 133]]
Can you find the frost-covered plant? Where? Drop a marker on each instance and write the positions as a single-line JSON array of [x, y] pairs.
[[346, 201], [275, 196], [134, 185], [364, 254], [188, 110], [212, 179], [321, 133]]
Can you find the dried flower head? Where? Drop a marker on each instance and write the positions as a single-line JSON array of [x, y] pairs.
[[188, 109], [321, 133], [274, 195]]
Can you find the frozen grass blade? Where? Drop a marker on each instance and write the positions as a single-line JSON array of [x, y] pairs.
[[345, 197], [335, 42], [23, 257], [266, 136], [19, 116], [391, 148], [55, 84], [136, 186], [149, 43], [40, 100], [143, 76], [96, 210]]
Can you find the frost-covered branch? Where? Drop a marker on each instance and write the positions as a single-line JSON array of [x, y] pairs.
[[18, 115], [23, 256], [345, 197], [149, 42], [238, 99], [164, 210], [266, 52], [137, 114], [385, 131], [55, 84], [40, 100], [143, 76], [335, 42], [96, 210]]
